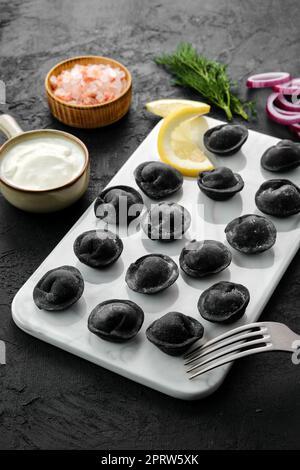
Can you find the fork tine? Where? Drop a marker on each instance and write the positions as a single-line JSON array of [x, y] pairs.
[[236, 347], [231, 358], [239, 329], [226, 342]]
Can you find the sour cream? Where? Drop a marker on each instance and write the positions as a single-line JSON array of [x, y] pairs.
[[42, 162]]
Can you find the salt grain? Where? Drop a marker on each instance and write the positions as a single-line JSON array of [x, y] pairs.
[[89, 84]]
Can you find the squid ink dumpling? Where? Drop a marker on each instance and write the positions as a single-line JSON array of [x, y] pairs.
[[225, 139], [98, 248], [224, 302], [158, 180], [174, 333], [278, 197], [151, 273], [220, 184], [58, 289], [283, 156], [251, 233], [166, 221], [116, 320], [118, 205], [203, 258]]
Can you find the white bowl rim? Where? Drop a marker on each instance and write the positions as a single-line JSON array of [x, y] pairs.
[[66, 135]]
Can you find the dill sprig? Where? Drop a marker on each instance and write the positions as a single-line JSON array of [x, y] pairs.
[[207, 77]]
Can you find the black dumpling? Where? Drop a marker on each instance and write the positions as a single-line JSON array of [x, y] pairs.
[[151, 274], [166, 221], [158, 180], [98, 248], [224, 302], [174, 333], [58, 289], [118, 205], [203, 258], [278, 197], [220, 184], [283, 156], [225, 139], [251, 233], [116, 320]]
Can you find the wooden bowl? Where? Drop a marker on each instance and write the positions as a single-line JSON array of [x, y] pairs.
[[88, 116]]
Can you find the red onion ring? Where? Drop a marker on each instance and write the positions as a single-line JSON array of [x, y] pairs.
[[279, 115], [288, 105], [285, 112], [290, 88], [269, 79], [296, 128]]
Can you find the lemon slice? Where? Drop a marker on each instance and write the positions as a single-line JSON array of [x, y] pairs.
[[166, 106], [180, 141]]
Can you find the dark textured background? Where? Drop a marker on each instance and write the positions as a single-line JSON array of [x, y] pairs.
[[48, 398]]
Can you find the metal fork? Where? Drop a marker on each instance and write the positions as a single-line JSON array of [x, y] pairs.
[[243, 341]]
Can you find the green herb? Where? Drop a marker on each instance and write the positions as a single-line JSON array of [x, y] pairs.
[[207, 77]]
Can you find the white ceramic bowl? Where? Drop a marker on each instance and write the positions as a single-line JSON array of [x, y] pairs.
[[48, 200]]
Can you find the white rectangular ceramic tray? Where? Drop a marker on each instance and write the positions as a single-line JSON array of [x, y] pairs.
[[138, 359]]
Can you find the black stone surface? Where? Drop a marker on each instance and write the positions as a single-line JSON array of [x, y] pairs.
[[50, 399]]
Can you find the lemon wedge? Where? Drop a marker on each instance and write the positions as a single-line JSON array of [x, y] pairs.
[[164, 107], [180, 140]]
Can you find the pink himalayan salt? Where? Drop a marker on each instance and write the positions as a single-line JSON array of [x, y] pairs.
[[89, 84]]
